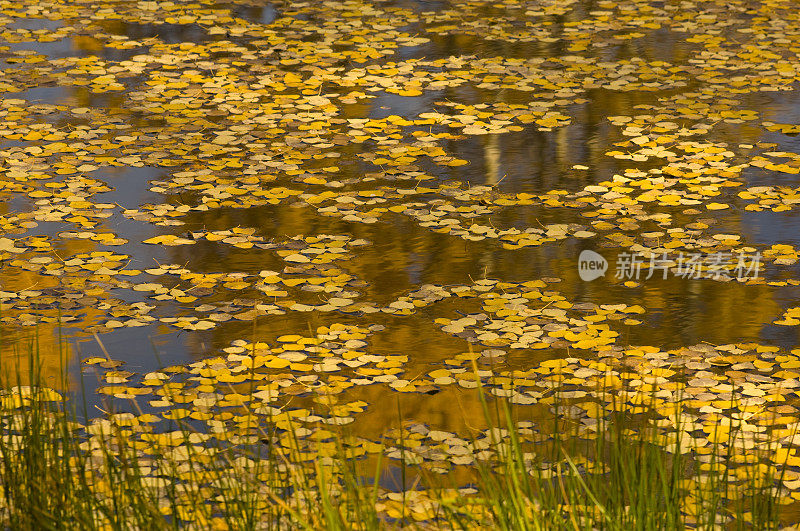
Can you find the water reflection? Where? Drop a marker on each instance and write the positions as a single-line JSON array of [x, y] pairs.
[[403, 256]]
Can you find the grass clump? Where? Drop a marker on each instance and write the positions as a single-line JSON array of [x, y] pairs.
[[124, 470]]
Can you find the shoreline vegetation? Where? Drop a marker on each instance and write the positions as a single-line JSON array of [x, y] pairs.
[[624, 471]]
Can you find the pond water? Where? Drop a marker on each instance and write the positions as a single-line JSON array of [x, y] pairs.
[[431, 170]]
